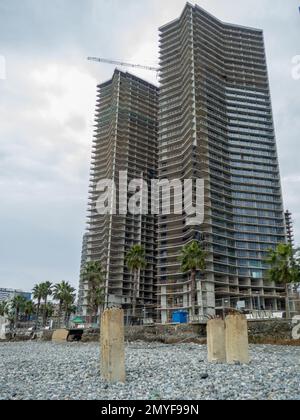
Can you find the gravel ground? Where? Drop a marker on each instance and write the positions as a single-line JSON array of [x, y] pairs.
[[35, 370]]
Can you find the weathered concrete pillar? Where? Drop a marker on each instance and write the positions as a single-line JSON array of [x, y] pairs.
[[112, 346], [237, 343], [216, 341]]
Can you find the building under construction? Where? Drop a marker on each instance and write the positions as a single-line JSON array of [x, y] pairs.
[[216, 124]]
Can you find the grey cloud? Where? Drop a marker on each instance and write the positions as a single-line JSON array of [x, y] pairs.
[[44, 162]]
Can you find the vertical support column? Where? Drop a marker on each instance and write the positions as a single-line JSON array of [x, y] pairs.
[[3, 324], [275, 305], [112, 346], [237, 343], [200, 298], [210, 295], [185, 296], [163, 299], [216, 341]]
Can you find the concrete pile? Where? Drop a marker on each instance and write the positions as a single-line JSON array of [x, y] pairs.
[[227, 341]]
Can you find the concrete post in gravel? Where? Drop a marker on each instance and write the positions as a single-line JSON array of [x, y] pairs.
[[237, 343], [112, 346], [3, 324], [216, 341]]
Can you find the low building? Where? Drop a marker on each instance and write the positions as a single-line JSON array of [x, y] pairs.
[[7, 294]]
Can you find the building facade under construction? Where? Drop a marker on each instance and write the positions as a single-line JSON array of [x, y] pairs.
[[216, 124], [125, 148], [289, 228]]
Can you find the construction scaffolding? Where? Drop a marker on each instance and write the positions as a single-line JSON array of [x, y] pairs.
[[289, 228]]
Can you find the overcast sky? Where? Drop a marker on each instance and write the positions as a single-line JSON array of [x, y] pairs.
[[48, 99]]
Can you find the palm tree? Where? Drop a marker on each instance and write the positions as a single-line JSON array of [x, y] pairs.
[[3, 308], [29, 309], [48, 311], [93, 277], [38, 295], [46, 292], [192, 260], [18, 305], [284, 269], [135, 261], [69, 308], [63, 292]]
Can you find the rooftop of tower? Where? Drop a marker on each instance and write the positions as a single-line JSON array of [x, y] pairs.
[[128, 74], [196, 6]]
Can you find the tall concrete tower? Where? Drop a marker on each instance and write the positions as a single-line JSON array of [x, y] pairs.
[[216, 124], [126, 141]]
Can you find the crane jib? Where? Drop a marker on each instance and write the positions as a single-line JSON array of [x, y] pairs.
[[121, 63]]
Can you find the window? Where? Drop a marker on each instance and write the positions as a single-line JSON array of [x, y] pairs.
[[256, 274]]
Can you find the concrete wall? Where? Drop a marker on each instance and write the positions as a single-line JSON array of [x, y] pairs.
[[270, 332], [260, 332]]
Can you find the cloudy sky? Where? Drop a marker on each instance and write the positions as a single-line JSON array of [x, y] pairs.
[[47, 103]]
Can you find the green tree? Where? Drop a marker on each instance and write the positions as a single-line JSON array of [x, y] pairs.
[[38, 295], [93, 277], [29, 309], [46, 292], [18, 305], [193, 260], [64, 293], [48, 311], [284, 268], [135, 261], [69, 308], [3, 308]]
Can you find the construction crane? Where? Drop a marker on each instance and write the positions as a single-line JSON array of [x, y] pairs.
[[121, 63]]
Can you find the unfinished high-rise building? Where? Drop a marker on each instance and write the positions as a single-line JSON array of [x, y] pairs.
[[126, 142], [216, 124], [83, 261]]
